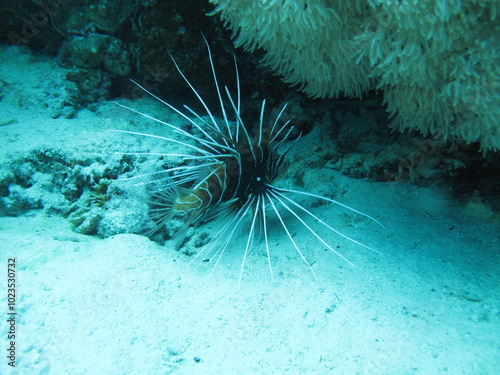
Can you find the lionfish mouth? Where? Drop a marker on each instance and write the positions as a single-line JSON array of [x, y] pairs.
[[229, 178]]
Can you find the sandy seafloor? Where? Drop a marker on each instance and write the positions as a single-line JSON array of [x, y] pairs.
[[428, 304]]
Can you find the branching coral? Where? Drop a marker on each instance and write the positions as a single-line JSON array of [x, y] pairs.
[[437, 61]]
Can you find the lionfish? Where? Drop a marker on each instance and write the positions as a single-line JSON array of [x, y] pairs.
[[229, 176]]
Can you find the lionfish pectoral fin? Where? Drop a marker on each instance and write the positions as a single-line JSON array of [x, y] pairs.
[[162, 192], [169, 201]]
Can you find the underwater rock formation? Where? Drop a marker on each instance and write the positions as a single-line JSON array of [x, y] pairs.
[[89, 27], [79, 17]]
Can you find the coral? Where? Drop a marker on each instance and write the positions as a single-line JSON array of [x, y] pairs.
[[95, 50], [98, 197], [90, 47], [86, 220], [165, 26], [311, 43], [93, 86], [60, 182], [81, 16], [440, 72], [435, 60]]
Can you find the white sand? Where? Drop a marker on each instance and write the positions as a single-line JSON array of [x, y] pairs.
[[125, 305]]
